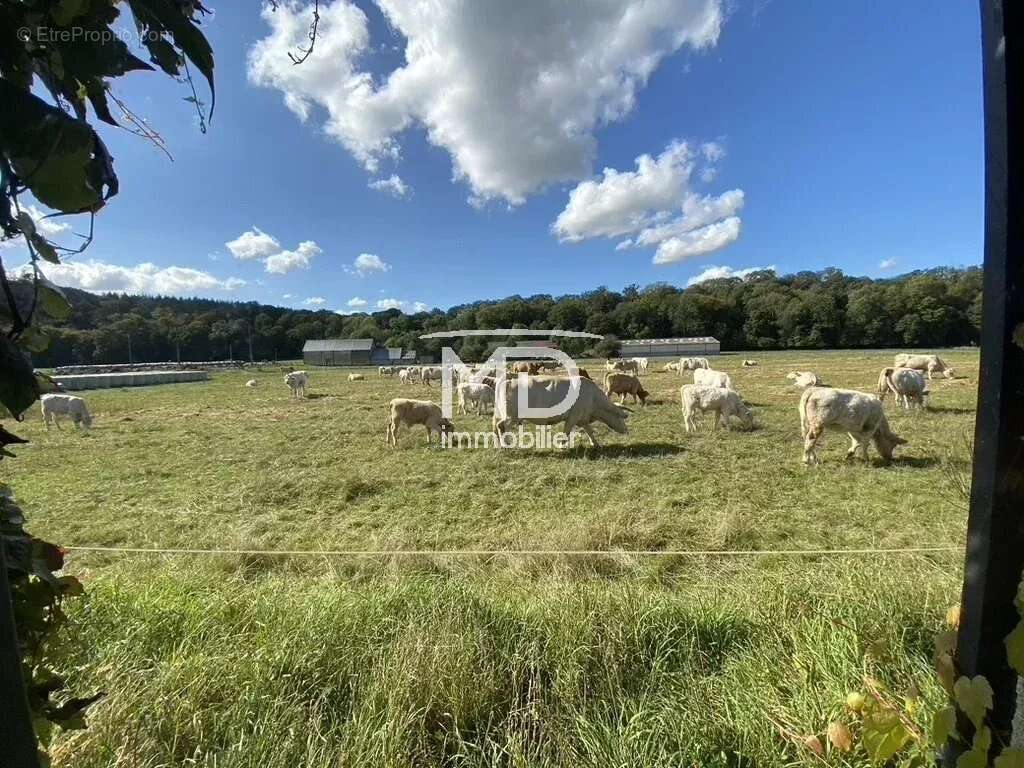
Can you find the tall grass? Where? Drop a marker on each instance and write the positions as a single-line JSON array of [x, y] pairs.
[[486, 669]]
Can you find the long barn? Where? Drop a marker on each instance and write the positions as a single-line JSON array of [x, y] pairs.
[[677, 347], [353, 352]]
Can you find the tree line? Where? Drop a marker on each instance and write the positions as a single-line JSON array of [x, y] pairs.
[[807, 310]]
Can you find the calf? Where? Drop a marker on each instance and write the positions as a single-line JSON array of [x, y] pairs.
[[413, 412], [479, 395], [724, 403], [804, 379], [906, 384], [297, 382], [356, 377], [710, 378], [622, 384]]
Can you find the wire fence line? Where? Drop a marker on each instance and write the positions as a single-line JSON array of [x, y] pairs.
[[521, 552]]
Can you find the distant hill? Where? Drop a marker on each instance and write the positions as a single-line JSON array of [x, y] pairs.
[[827, 309]]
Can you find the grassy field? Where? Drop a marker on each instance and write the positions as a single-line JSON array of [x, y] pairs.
[[611, 659]]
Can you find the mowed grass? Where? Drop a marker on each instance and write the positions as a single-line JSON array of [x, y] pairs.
[[616, 659]]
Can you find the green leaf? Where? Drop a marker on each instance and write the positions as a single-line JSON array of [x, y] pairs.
[[33, 340], [44, 249], [1015, 647], [26, 224], [162, 15], [66, 11], [53, 300], [883, 734], [943, 725], [18, 388], [1010, 758], [70, 586], [974, 697], [977, 757]]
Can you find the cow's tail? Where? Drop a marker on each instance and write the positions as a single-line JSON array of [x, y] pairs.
[[884, 382]]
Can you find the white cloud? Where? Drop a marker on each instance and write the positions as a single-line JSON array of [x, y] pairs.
[[285, 261], [405, 306], [48, 228], [253, 244], [99, 277], [315, 301], [257, 244], [656, 206], [356, 303], [513, 92], [887, 263], [717, 273], [365, 263], [393, 185], [286, 295]]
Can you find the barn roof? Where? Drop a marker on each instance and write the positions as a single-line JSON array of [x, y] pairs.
[[677, 340], [338, 345]]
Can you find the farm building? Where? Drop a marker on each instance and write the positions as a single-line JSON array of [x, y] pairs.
[[353, 352], [679, 347]]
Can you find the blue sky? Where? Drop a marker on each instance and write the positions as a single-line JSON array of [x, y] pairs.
[[793, 135]]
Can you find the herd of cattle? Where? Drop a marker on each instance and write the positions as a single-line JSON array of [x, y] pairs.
[[861, 415]]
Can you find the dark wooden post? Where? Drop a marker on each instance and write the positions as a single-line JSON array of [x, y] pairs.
[[17, 738], [995, 532]]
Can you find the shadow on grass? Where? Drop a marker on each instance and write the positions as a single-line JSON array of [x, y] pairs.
[[619, 450], [319, 395], [946, 409], [917, 462]]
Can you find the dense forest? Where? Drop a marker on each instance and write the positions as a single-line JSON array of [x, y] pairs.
[[808, 310]]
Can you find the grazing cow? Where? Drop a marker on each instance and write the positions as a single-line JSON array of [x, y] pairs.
[[55, 405], [928, 363], [386, 370], [549, 391], [622, 384], [642, 363], [860, 415], [692, 364], [906, 384], [724, 403], [356, 377], [749, 363], [251, 383], [709, 378], [404, 377], [671, 367], [627, 366], [479, 395], [413, 412], [804, 379], [414, 373], [297, 382], [525, 366], [429, 373]]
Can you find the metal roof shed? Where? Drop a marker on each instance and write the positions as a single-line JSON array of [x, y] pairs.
[[683, 346], [337, 351]]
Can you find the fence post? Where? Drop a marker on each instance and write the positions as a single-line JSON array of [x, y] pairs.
[[995, 530]]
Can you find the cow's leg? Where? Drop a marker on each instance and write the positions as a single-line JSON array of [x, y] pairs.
[[810, 440], [854, 445], [589, 432], [429, 433]]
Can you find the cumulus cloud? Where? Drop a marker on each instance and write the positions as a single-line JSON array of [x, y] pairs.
[[356, 303], [256, 244], [887, 263], [100, 277], [253, 244], [315, 301], [655, 206], [405, 306], [393, 185], [366, 263], [717, 273], [48, 228], [550, 74], [285, 261]]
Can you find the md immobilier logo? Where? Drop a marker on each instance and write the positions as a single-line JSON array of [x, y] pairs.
[[538, 409]]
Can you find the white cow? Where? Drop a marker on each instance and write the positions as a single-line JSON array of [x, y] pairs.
[[548, 392], [724, 403], [671, 367], [804, 379], [859, 414], [928, 363], [749, 363], [643, 364], [429, 373], [710, 378], [385, 370], [692, 364], [628, 366], [55, 405], [251, 383], [479, 395], [906, 384], [297, 382], [404, 376], [356, 377], [413, 412]]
